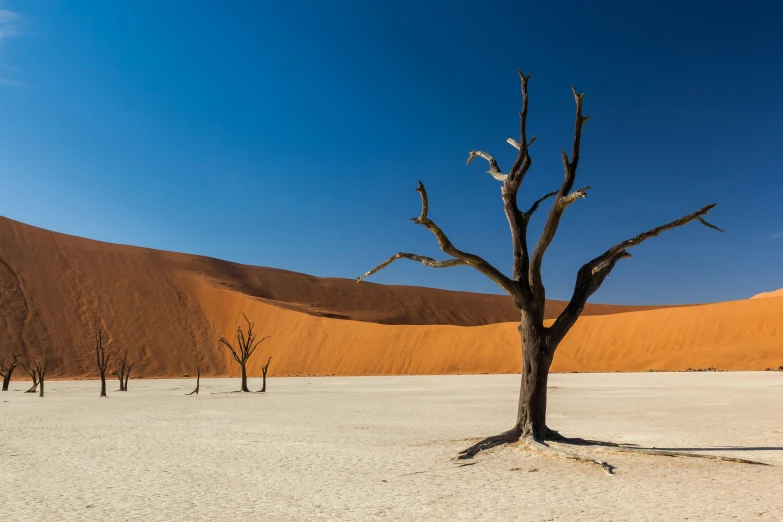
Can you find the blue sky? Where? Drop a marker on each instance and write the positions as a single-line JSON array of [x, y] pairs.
[[293, 135]]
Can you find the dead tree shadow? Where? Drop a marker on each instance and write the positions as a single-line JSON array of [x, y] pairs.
[[669, 452], [576, 441]]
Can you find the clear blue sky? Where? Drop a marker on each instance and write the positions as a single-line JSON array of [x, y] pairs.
[[292, 134]]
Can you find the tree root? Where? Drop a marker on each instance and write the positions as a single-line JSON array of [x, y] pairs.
[[507, 437], [514, 435], [543, 448]]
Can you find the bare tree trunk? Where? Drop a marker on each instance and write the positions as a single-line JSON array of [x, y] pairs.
[[40, 370], [102, 358], [264, 369], [34, 377], [536, 360], [127, 377], [244, 379], [122, 384], [6, 371], [198, 381]]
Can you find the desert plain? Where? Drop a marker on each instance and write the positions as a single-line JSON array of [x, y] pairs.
[[383, 448], [373, 390]]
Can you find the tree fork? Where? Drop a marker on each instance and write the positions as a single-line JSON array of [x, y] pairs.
[[33, 376]]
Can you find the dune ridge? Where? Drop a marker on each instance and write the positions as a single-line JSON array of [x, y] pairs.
[[773, 293], [56, 289]]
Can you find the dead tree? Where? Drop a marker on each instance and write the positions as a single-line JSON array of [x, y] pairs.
[[102, 357], [123, 373], [198, 381], [31, 371], [127, 375], [246, 345], [264, 368], [212, 337], [39, 367], [6, 371], [525, 285]]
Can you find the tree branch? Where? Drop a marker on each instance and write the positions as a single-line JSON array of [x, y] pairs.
[[253, 349], [448, 248], [538, 202], [428, 261], [234, 353], [494, 170], [562, 200], [593, 273]]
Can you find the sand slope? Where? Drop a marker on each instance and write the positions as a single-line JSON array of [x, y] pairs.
[[56, 289]]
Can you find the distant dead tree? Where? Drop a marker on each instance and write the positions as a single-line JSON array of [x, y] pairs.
[[198, 381], [212, 337], [246, 345], [31, 371], [6, 371], [102, 357], [123, 373], [39, 367], [264, 368], [525, 285]]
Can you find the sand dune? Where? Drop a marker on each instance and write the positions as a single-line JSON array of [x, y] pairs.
[[56, 289], [774, 293]]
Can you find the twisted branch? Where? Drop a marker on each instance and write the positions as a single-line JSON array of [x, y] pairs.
[[460, 257]]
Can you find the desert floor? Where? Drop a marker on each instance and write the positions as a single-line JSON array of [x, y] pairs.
[[367, 448]]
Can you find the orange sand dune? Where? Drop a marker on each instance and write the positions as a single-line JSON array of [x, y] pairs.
[[56, 289]]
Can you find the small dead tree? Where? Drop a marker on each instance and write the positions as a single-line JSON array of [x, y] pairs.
[[6, 371], [212, 336], [123, 373], [31, 372], [525, 286], [128, 369], [246, 345], [102, 357], [264, 368], [39, 367], [198, 381]]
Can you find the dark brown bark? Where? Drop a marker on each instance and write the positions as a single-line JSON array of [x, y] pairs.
[[244, 379], [246, 346], [120, 373], [525, 285], [40, 367], [7, 371], [198, 381], [264, 369], [33, 376], [536, 360], [127, 376], [102, 357]]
